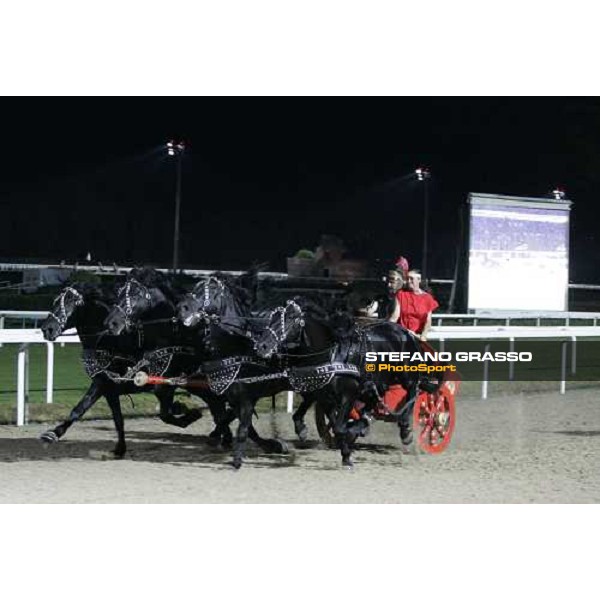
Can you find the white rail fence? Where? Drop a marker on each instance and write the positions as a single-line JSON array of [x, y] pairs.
[[510, 317], [24, 316], [24, 338], [486, 334], [565, 335]]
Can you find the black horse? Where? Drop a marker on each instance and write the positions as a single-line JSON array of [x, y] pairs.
[[144, 303], [145, 306], [233, 304], [221, 311], [303, 332], [106, 359]]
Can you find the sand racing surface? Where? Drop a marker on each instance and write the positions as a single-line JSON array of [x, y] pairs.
[[537, 448]]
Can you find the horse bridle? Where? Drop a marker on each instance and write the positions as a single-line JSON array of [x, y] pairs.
[[62, 318], [279, 338], [205, 298], [128, 310]]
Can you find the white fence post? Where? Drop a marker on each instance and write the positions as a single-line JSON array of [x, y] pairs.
[[22, 384], [290, 402], [1, 327], [511, 365], [27, 374], [49, 372], [486, 375], [563, 367]]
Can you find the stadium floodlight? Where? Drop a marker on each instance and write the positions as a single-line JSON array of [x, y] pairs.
[[558, 193], [176, 149], [422, 173]]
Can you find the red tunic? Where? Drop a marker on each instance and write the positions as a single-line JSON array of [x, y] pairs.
[[414, 309]]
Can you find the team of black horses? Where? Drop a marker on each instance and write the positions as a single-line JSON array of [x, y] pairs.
[[230, 348]]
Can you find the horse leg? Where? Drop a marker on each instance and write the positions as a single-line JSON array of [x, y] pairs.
[[272, 445], [405, 420], [222, 417], [112, 397], [344, 438], [298, 417], [89, 399], [173, 412], [245, 411], [359, 427]]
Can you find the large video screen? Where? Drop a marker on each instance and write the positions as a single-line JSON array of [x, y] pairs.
[[518, 254]]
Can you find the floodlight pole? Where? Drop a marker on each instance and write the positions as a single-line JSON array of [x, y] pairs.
[[177, 149], [177, 213], [423, 175]]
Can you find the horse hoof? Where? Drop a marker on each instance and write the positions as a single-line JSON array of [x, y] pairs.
[[406, 437], [119, 452], [347, 462], [301, 431], [49, 437], [237, 463], [283, 447]]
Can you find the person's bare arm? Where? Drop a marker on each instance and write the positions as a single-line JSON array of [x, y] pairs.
[[396, 312], [427, 327]]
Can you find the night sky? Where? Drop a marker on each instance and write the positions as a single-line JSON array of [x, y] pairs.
[[266, 177]]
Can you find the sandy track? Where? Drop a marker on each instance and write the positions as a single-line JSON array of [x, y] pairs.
[[542, 448]]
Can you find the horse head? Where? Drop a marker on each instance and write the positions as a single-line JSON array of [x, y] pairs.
[[134, 301], [63, 311], [214, 299], [207, 302]]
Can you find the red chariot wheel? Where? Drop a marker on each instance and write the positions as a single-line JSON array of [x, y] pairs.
[[434, 417]]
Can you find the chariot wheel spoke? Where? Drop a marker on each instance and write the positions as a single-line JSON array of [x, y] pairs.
[[434, 418]]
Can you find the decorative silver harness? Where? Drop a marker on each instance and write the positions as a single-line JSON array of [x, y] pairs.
[[202, 313], [282, 310], [128, 310], [62, 317]]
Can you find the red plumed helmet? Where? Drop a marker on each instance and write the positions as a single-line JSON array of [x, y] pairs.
[[402, 264]]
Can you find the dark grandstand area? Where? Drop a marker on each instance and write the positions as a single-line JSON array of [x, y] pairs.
[[261, 188], [261, 184]]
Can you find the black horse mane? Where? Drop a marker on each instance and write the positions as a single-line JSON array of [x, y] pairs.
[[241, 288], [152, 278]]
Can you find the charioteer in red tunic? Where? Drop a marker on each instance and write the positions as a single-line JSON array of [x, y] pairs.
[[412, 310], [414, 307]]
